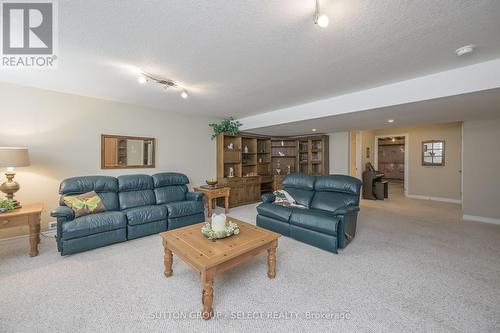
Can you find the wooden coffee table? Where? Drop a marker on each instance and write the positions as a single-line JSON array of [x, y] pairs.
[[211, 257]]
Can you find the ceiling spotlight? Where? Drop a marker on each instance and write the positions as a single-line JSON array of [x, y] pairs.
[[465, 50], [390, 121], [321, 20], [166, 84], [314, 130]]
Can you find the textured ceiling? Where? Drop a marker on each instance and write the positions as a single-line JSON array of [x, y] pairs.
[[246, 57]]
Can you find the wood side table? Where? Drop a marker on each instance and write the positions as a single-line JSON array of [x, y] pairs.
[[213, 193], [30, 215], [209, 257]]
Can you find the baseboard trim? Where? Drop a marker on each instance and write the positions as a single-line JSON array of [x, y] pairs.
[[423, 197], [482, 219], [45, 233]]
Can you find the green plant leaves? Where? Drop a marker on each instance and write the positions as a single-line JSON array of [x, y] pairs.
[[228, 125]]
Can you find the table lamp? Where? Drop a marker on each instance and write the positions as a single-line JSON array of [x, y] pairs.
[[11, 157]]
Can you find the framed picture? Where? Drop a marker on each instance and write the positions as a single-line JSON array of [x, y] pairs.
[[433, 153]]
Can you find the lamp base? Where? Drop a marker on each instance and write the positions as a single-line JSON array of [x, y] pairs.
[[10, 187], [16, 203]]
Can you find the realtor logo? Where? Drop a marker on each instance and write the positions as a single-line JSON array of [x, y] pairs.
[[28, 34]]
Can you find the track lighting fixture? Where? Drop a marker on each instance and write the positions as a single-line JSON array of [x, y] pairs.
[[164, 83], [320, 19]]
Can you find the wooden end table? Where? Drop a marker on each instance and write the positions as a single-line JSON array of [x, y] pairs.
[[26, 215], [213, 193], [211, 257]]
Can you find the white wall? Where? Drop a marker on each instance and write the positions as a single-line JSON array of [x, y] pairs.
[[63, 131], [339, 153], [481, 181], [435, 183]]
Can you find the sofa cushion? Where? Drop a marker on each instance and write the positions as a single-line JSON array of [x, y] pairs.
[[299, 180], [184, 208], [145, 214], [135, 191], [134, 183], [314, 220], [281, 213], [170, 193], [169, 178], [93, 224], [341, 184], [331, 201], [105, 186]]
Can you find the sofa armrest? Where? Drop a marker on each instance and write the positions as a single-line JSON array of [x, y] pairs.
[[194, 196], [267, 197], [64, 213], [346, 210]]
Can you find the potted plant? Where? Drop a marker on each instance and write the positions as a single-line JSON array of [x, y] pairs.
[[5, 205], [228, 125]]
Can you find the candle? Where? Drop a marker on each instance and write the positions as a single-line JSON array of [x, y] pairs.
[[218, 222]]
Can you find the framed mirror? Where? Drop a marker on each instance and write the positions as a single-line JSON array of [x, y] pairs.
[[127, 152]]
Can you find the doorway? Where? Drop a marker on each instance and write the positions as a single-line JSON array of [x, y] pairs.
[[391, 159], [355, 154]]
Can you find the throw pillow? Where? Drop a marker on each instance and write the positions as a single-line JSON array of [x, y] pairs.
[[85, 204], [283, 198]]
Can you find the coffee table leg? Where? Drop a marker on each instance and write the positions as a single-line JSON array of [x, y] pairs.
[[167, 259], [207, 280], [271, 261]]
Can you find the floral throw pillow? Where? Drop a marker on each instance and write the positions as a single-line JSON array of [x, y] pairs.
[[85, 204]]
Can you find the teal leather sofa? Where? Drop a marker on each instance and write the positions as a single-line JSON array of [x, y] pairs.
[[136, 206], [329, 219]]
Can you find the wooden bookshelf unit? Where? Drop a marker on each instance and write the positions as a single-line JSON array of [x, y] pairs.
[[252, 164]]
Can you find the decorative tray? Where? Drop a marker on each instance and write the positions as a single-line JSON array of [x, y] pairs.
[[231, 229]]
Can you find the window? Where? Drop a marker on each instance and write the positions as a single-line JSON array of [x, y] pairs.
[[433, 153]]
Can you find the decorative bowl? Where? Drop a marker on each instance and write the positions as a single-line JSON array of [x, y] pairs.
[[211, 182], [231, 229]]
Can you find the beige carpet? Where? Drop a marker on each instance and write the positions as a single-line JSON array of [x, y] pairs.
[[414, 266]]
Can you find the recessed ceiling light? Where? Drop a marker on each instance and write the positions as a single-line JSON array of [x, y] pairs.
[[142, 80], [465, 50], [390, 121], [393, 139], [184, 94], [314, 130]]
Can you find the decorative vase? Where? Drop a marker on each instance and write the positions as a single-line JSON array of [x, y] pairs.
[[218, 222]]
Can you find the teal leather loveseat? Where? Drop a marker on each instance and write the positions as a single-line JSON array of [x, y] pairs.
[[136, 206], [329, 218]]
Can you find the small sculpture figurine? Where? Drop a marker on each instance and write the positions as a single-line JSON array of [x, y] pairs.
[[230, 146], [288, 169], [245, 150], [231, 172]]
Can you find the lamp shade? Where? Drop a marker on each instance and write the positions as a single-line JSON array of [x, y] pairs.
[[14, 157]]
